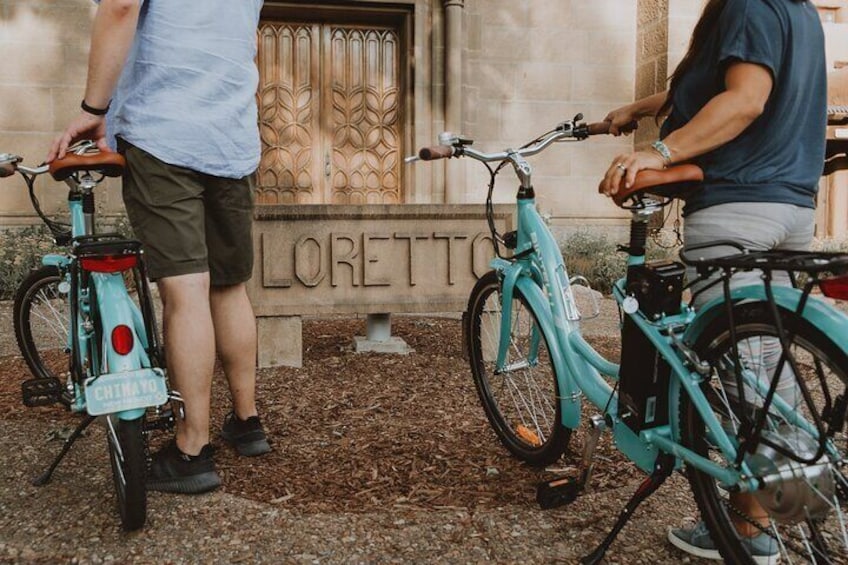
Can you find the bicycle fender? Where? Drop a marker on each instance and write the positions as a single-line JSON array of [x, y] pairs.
[[830, 320], [570, 399], [116, 308], [55, 260], [131, 414]]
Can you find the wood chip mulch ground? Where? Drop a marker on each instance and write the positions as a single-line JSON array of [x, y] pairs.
[[359, 432]]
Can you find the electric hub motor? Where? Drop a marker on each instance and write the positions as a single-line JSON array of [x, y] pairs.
[[793, 491]]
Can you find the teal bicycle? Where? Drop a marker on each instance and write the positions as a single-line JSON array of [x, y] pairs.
[[693, 389], [89, 340]]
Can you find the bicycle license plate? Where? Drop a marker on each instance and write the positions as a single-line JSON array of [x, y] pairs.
[[116, 392]]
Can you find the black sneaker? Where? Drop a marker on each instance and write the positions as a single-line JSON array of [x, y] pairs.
[[174, 471], [247, 436]]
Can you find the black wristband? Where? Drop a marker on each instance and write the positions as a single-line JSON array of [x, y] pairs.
[[94, 111]]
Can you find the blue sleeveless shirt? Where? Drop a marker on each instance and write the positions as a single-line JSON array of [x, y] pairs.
[[780, 156], [187, 94]]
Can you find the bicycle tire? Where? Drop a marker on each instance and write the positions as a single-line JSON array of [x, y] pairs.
[[129, 470], [531, 427], [817, 356], [38, 297]]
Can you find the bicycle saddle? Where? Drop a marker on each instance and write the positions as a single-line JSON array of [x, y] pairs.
[[668, 182], [107, 163]]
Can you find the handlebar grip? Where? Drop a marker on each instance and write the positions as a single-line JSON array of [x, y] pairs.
[[436, 152], [601, 128]]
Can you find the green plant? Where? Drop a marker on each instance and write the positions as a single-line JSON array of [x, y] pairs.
[[592, 255], [830, 245], [21, 249]]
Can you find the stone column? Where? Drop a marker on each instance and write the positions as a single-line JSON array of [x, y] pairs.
[[454, 11]]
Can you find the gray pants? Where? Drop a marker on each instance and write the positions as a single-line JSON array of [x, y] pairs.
[[758, 226]]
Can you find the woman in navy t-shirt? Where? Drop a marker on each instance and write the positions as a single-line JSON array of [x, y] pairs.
[[748, 104]]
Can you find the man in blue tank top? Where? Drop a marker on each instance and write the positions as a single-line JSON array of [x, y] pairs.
[[173, 85]]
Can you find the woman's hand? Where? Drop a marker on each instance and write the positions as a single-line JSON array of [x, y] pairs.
[[622, 120], [623, 170]]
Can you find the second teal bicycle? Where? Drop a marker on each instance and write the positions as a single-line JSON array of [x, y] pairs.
[[693, 389]]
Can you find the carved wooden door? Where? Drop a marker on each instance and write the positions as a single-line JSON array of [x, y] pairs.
[[329, 114]]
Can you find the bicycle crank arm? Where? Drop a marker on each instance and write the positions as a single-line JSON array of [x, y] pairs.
[[561, 491]]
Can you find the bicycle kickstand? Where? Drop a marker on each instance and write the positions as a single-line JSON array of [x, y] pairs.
[[45, 477], [662, 470]]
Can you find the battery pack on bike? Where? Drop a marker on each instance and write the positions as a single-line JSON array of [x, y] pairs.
[[644, 374]]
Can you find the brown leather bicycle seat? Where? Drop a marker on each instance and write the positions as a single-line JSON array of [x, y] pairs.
[[672, 180], [108, 163]]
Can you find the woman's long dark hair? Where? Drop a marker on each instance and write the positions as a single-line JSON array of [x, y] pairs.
[[706, 23]]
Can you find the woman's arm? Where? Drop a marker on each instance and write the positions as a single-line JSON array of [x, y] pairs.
[[620, 118], [727, 115], [722, 119]]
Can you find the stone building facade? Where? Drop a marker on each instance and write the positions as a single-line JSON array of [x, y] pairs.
[[350, 87]]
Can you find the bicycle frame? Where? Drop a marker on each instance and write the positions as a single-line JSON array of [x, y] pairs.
[[539, 272], [114, 308]]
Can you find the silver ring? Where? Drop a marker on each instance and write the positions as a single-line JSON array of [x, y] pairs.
[[620, 166]]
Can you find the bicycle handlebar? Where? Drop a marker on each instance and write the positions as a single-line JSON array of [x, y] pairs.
[[436, 152], [7, 169], [10, 164], [565, 130]]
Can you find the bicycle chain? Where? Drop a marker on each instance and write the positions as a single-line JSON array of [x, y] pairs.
[[788, 544]]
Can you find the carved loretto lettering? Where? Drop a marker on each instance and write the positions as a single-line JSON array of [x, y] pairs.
[[370, 257], [306, 259], [344, 250], [411, 237], [450, 237]]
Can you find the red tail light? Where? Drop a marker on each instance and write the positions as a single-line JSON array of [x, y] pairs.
[[835, 288], [122, 339], [109, 263]]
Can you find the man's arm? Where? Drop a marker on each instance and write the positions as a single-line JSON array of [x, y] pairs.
[[112, 35]]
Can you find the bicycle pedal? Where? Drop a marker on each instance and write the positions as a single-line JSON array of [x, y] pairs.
[[41, 392], [558, 492]]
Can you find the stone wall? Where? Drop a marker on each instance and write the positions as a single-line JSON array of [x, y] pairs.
[[530, 65], [45, 54]]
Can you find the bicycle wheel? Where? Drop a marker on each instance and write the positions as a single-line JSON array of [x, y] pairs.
[[803, 513], [127, 454], [41, 313], [522, 402]]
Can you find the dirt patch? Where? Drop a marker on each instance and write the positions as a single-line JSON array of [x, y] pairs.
[[358, 432]]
